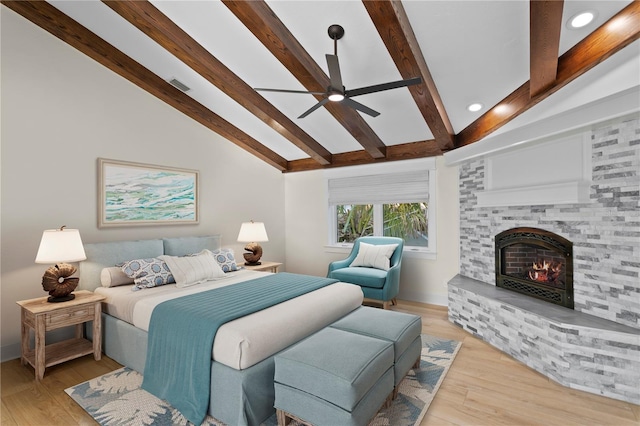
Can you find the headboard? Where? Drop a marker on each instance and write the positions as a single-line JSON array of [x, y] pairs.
[[104, 255]]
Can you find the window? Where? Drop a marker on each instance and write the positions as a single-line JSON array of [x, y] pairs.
[[383, 202]]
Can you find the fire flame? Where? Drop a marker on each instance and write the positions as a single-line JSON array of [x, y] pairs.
[[543, 271]]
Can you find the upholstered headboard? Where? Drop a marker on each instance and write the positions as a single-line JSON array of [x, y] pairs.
[[104, 255]]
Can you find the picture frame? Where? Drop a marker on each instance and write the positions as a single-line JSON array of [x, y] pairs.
[[137, 194]]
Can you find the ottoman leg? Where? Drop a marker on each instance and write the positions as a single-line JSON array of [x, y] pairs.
[[417, 363], [283, 418], [415, 366]]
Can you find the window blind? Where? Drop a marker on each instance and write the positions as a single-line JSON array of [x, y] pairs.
[[402, 187]]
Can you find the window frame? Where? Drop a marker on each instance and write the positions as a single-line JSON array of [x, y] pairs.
[[429, 164]]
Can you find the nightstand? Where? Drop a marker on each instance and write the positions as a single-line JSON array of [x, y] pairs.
[[42, 316], [265, 266]]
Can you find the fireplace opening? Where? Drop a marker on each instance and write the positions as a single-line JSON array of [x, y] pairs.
[[537, 263]]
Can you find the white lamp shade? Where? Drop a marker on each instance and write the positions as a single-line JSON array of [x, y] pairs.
[[252, 232], [60, 245]]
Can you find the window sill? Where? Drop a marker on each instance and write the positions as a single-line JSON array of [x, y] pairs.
[[413, 253]]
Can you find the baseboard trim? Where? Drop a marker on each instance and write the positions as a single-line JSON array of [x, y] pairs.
[[9, 352], [417, 296]]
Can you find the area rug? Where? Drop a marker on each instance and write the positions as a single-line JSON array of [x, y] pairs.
[[116, 398]]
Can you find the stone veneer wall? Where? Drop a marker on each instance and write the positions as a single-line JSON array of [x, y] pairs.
[[577, 350], [605, 232]]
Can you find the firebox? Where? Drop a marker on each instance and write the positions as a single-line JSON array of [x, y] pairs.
[[537, 263]]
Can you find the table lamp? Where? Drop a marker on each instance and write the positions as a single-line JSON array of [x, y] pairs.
[[59, 246], [252, 233]]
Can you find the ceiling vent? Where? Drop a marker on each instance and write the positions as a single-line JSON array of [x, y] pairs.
[[180, 85]]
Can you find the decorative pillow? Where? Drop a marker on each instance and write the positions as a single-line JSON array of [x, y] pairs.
[[190, 270], [374, 256], [113, 276], [147, 273], [226, 259]]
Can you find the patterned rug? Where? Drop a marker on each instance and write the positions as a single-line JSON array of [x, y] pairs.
[[116, 398]]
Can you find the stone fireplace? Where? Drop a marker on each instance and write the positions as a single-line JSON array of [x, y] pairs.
[[537, 263], [594, 347]]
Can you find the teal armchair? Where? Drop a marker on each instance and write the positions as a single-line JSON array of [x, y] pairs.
[[376, 284]]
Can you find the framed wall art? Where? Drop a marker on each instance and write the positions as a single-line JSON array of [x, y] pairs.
[[135, 194]]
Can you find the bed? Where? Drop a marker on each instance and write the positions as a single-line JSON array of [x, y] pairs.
[[242, 368]]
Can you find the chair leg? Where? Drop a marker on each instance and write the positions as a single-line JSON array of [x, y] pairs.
[[394, 301], [385, 305]]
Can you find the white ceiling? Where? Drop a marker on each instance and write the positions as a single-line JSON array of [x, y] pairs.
[[477, 51]]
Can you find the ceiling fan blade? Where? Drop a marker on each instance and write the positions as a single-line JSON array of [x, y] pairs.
[[334, 72], [384, 86], [360, 107], [315, 107], [261, 89]]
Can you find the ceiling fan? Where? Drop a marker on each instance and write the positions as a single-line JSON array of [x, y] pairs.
[[336, 92]]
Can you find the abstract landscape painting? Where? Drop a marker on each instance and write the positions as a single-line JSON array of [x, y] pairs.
[[143, 194]]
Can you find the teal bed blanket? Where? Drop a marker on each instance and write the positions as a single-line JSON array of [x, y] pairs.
[[182, 330]]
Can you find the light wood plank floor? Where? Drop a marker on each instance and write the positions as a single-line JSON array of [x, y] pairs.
[[483, 387]]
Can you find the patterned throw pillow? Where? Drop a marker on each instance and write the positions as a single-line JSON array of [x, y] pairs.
[[147, 273], [225, 259]]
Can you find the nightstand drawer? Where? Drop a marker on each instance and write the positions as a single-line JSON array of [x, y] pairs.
[[70, 316]]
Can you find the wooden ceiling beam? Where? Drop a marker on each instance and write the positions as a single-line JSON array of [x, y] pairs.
[[71, 32], [393, 25], [544, 41], [148, 19], [406, 151], [613, 36], [258, 17]]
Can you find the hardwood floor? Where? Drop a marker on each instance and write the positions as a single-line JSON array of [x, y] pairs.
[[483, 387]]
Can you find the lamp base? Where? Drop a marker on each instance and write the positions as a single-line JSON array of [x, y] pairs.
[[59, 299], [255, 253], [252, 263]]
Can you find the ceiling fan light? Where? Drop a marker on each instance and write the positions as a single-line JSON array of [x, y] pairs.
[[336, 97], [581, 19]]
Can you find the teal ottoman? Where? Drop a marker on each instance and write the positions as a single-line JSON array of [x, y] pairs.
[[333, 378], [403, 330]]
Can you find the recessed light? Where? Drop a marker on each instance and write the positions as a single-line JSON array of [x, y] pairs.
[[582, 19], [475, 107]]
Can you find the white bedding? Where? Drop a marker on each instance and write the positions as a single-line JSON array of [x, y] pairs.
[[246, 341]]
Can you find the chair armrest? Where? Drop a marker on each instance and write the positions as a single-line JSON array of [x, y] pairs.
[[338, 264]]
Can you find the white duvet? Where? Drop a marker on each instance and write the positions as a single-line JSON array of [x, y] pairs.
[[246, 341]]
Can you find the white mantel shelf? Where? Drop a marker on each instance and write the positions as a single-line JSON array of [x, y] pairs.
[[559, 193]]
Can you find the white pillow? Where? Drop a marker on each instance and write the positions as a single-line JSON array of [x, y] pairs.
[[373, 256], [113, 276], [196, 269]]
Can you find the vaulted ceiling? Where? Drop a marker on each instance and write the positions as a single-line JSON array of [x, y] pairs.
[[518, 58]]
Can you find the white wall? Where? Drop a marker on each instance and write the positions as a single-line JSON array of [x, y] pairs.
[[421, 280], [60, 112]]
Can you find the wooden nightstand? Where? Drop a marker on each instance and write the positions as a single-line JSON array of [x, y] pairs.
[[266, 266], [43, 316]]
